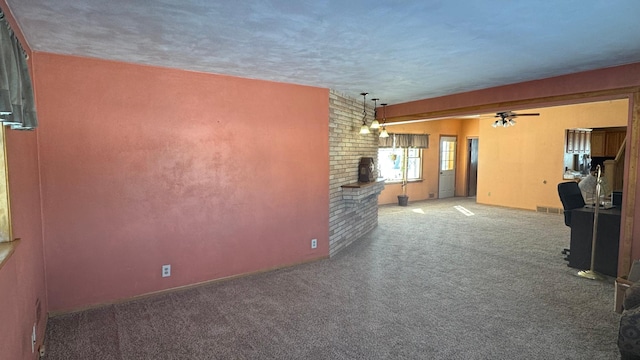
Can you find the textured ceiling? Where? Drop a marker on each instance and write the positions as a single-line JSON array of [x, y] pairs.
[[396, 50]]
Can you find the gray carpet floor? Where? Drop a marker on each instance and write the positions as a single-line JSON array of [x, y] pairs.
[[428, 283]]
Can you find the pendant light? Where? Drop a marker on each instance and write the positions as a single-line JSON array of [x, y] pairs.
[[384, 133], [364, 129], [375, 124]]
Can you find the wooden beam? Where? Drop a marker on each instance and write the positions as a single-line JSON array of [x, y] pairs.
[[626, 242], [603, 95]]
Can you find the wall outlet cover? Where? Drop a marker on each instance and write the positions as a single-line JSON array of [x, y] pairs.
[[33, 339], [314, 243], [166, 270]]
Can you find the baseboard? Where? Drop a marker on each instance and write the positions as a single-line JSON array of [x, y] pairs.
[[181, 288]]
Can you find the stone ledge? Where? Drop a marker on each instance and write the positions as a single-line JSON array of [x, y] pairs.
[[357, 193]]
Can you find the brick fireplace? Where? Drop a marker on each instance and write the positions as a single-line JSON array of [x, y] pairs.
[[353, 206]]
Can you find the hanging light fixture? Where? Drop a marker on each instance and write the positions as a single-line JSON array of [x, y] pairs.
[[504, 122], [506, 118], [364, 129], [384, 133], [375, 124]]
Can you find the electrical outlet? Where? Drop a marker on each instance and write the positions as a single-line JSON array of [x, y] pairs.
[[166, 270], [33, 339], [314, 243]]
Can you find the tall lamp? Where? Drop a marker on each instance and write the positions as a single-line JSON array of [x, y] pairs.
[[591, 273]]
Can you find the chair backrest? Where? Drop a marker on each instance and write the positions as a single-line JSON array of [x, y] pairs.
[[570, 195], [571, 198]]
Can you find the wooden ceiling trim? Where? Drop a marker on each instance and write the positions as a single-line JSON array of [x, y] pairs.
[[548, 101]]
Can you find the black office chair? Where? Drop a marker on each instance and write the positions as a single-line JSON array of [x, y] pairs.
[[571, 198]]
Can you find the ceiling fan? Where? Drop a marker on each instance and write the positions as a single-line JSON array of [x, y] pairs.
[[506, 118]]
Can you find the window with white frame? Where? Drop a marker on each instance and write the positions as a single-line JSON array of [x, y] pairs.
[[396, 163], [5, 214]]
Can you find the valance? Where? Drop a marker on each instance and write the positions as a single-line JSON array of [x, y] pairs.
[[385, 142], [17, 106], [420, 141]]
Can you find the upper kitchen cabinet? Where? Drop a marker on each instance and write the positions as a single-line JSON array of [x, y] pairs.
[[578, 141], [613, 141], [605, 142], [597, 143]]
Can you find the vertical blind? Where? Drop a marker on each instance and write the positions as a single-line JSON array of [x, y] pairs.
[[17, 106]]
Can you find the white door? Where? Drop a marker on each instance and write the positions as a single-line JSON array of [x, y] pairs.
[[446, 186]]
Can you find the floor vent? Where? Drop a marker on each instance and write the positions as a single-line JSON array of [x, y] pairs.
[[549, 210], [553, 211]]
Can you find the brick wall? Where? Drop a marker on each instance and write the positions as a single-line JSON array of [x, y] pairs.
[[349, 220]]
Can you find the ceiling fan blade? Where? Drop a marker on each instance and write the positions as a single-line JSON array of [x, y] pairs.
[[529, 114]]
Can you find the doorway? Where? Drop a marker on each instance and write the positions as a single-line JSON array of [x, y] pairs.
[[472, 167], [447, 181]]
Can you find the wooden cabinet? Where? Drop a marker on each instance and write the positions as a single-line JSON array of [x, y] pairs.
[[570, 141], [587, 142], [597, 143], [613, 141], [578, 141], [606, 143]]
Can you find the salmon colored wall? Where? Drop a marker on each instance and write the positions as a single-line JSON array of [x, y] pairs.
[[145, 166], [521, 166], [22, 278], [431, 157]]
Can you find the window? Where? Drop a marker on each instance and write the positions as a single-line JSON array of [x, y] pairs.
[[7, 247], [5, 215], [394, 164], [448, 155]]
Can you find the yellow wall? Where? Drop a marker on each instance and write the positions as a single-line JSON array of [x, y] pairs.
[[521, 166], [462, 128]]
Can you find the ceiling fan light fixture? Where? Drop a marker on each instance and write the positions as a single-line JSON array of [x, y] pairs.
[[506, 118], [384, 133]]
